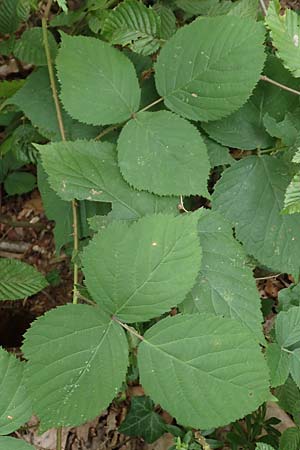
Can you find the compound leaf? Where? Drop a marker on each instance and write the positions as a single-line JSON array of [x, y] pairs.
[[89, 170], [142, 420], [215, 357], [132, 23], [285, 34], [144, 269], [225, 285], [163, 153], [19, 280], [253, 205], [67, 356], [15, 406], [9, 443], [103, 90], [214, 77]]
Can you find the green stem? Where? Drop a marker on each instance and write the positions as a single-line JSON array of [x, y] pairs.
[[128, 328], [151, 104], [59, 439], [63, 137], [118, 125], [281, 86]]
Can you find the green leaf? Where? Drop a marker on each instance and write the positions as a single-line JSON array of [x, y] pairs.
[[89, 170], [19, 183], [295, 366], [15, 407], [289, 297], [290, 439], [9, 88], [292, 196], [142, 420], [12, 12], [287, 327], [19, 280], [215, 77], [279, 364], [36, 100], [30, 48], [63, 5], [217, 154], [107, 78], [253, 205], [9, 443], [184, 361], [245, 128], [289, 397], [144, 269], [244, 8], [162, 153], [167, 20], [285, 35], [225, 285], [65, 357], [56, 209], [262, 446], [132, 23], [194, 7]]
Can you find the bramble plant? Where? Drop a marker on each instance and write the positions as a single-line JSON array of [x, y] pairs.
[[128, 117]]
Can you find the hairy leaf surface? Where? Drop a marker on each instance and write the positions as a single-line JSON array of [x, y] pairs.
[[251, 194], [216, 358], [89, 170], [71, 375], [163, 153], [215, 76], [141, 271], [19, 280], [103, 90], [15, 406], [225, 285]]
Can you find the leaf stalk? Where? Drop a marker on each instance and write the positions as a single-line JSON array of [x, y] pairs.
[[63, 137]]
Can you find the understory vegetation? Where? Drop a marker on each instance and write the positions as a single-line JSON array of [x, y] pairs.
[[163, 139]]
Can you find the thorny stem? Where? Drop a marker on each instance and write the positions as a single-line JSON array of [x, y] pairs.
[[201, 439], [63, 137], [282, 86], [128, 328], [263, 7]]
